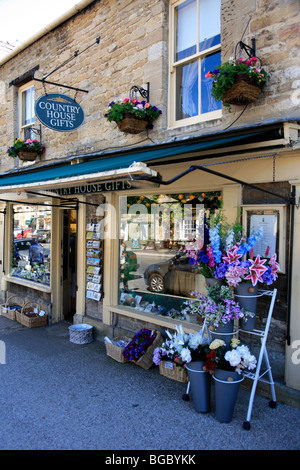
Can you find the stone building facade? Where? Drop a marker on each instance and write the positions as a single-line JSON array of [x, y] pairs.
[[257, 144]]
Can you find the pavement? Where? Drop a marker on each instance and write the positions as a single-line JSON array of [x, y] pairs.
[[57, 395]]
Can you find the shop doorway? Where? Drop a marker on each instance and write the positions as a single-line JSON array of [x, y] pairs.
[[69, 255]]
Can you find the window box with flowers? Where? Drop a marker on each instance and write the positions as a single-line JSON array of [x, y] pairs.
[[132, 116], [26, 150], [237, 81]]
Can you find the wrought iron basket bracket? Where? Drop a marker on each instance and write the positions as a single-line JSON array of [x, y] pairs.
[[35, 130], [145, 93], [250, 50]]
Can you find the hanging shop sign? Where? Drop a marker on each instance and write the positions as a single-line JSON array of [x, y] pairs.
[[59, 112]]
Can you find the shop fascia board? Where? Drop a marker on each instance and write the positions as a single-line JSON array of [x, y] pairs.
[[137, 169]]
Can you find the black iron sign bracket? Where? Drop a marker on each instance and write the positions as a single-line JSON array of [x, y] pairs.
[[75, 55]]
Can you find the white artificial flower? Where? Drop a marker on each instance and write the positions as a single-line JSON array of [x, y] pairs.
[[195, 340], [185, 355], [233, 357]]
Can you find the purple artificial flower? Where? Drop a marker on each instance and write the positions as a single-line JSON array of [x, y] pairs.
[[221, 271]]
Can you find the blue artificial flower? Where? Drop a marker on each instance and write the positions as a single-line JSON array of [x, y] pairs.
[[204, 259], [215, 241]]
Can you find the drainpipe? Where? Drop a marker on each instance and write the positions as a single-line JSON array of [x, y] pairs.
[[290, 269]]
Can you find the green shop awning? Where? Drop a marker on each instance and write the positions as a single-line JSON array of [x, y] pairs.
[[115, 166]]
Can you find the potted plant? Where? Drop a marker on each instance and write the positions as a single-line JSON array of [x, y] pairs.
[[132, 116], [26, 150], [237, 81], [228, 365]]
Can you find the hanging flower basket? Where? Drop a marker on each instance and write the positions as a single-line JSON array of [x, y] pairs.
[[27, 155], [132, 116], [26, 150], [132, 125], [243, 91], [237, 81]]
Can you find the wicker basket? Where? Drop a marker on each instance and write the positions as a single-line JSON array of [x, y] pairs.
[[116, 352], [172, 371], [131, 125], [146, 360], [28, 317], [6, 309], [243, 91], [27, 154]]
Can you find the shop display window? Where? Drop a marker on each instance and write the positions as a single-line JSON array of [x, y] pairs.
[[31, 247], [155, 273]]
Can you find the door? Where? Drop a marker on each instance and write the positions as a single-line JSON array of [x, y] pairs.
[[69, 275]]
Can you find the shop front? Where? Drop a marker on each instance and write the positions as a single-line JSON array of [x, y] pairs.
[[105, 241]]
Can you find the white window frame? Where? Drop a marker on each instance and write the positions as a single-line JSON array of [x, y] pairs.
[[173, 64], [22, 127]]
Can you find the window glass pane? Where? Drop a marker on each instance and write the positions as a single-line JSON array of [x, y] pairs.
[[28, 106], [186, 29], [31, 243], [155, 274], [209, 23], [187, 94], [208, 103]]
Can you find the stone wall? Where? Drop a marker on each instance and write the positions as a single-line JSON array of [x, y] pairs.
[[133, 50]]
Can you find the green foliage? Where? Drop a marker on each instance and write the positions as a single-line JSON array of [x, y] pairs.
[[29, 144], [117, 110], [224, 76]]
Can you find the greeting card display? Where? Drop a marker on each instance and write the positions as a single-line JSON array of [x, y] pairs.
[[94, 259]]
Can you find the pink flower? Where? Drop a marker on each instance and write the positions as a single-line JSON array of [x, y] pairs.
[[257, 269], [232, 256], [147, 105], [267, 251], [210, 255], [235, 274], [209, 75], [274, 266]]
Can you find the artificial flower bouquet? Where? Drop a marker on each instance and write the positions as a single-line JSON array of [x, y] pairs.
[[221, 254], [140, 349], [174, 348], [217, 308], [236, 358], [205, 252], [234, 270], [182, 348], [28, 144], [117, 110], [139, 344]]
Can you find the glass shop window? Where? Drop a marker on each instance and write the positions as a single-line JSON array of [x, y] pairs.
[[155, 273], [31, 248]]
